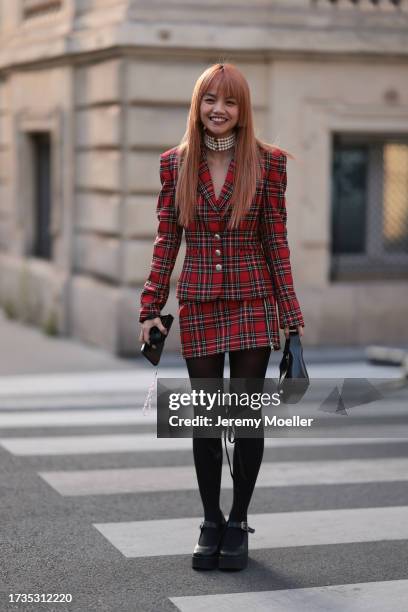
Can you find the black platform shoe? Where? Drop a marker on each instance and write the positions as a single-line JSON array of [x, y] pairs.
[[235, 557], [206, 557]]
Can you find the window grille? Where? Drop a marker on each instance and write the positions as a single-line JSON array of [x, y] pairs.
[[369, 220]]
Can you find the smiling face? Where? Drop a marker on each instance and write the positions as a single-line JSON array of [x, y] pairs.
[[218, 114]]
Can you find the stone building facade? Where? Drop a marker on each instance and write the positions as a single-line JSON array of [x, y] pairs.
[[92, 91]]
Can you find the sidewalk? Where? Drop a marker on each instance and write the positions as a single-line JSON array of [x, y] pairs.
[[27, 350]]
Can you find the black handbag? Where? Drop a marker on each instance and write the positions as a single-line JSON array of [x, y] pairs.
[[293, 377], [153, 351]]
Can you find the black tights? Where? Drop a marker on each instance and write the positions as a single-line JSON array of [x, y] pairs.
[[248, 363]]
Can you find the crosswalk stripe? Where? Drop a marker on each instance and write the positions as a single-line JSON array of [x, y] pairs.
[[73, 400], [124, 443], [357, 597], [273, 530], [81, 382], [61, 418], [138, 380], [97, 414], [183, 478], [89, 445]]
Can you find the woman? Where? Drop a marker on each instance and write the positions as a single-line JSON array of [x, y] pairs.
[[226, 188]]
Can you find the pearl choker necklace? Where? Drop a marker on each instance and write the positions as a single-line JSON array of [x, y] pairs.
[[219, 144]]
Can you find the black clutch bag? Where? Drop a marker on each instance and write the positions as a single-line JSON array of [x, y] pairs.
[[153, 351], [293, 377]]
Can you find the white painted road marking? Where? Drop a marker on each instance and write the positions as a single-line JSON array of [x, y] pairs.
[[125, 443], [76, 418], [273, 530], [183, 478], [359, 597]]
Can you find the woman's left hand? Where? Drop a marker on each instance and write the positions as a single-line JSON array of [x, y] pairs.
[[299, 330]]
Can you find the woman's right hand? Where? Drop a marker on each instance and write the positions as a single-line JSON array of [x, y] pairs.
[[146, 327]]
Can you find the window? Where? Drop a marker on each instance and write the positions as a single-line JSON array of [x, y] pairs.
[[369, 221], [41, 246]]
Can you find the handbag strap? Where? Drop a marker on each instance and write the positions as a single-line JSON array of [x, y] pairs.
[[148, 401], [229, 432]]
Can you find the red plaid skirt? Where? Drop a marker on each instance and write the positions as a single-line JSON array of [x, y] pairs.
[[222, 325]]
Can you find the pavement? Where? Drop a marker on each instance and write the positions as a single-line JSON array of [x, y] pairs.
[[95, 506]]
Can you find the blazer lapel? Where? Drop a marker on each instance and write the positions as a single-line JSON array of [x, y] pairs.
[[206, 188]]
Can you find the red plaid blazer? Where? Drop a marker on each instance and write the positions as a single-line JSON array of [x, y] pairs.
[[248, 262]]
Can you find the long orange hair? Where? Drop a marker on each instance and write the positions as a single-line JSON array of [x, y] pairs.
[[248, 148]]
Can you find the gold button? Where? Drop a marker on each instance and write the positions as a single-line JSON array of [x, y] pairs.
[[218, 267], [217, 252]]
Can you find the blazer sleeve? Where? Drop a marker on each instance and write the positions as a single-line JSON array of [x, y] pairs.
[[273, 232], [166, 246]]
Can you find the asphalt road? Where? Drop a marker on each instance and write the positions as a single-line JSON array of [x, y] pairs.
[[93, 507]]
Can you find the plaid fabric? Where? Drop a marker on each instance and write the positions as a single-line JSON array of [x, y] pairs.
[[249, 262], [222, 325]]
